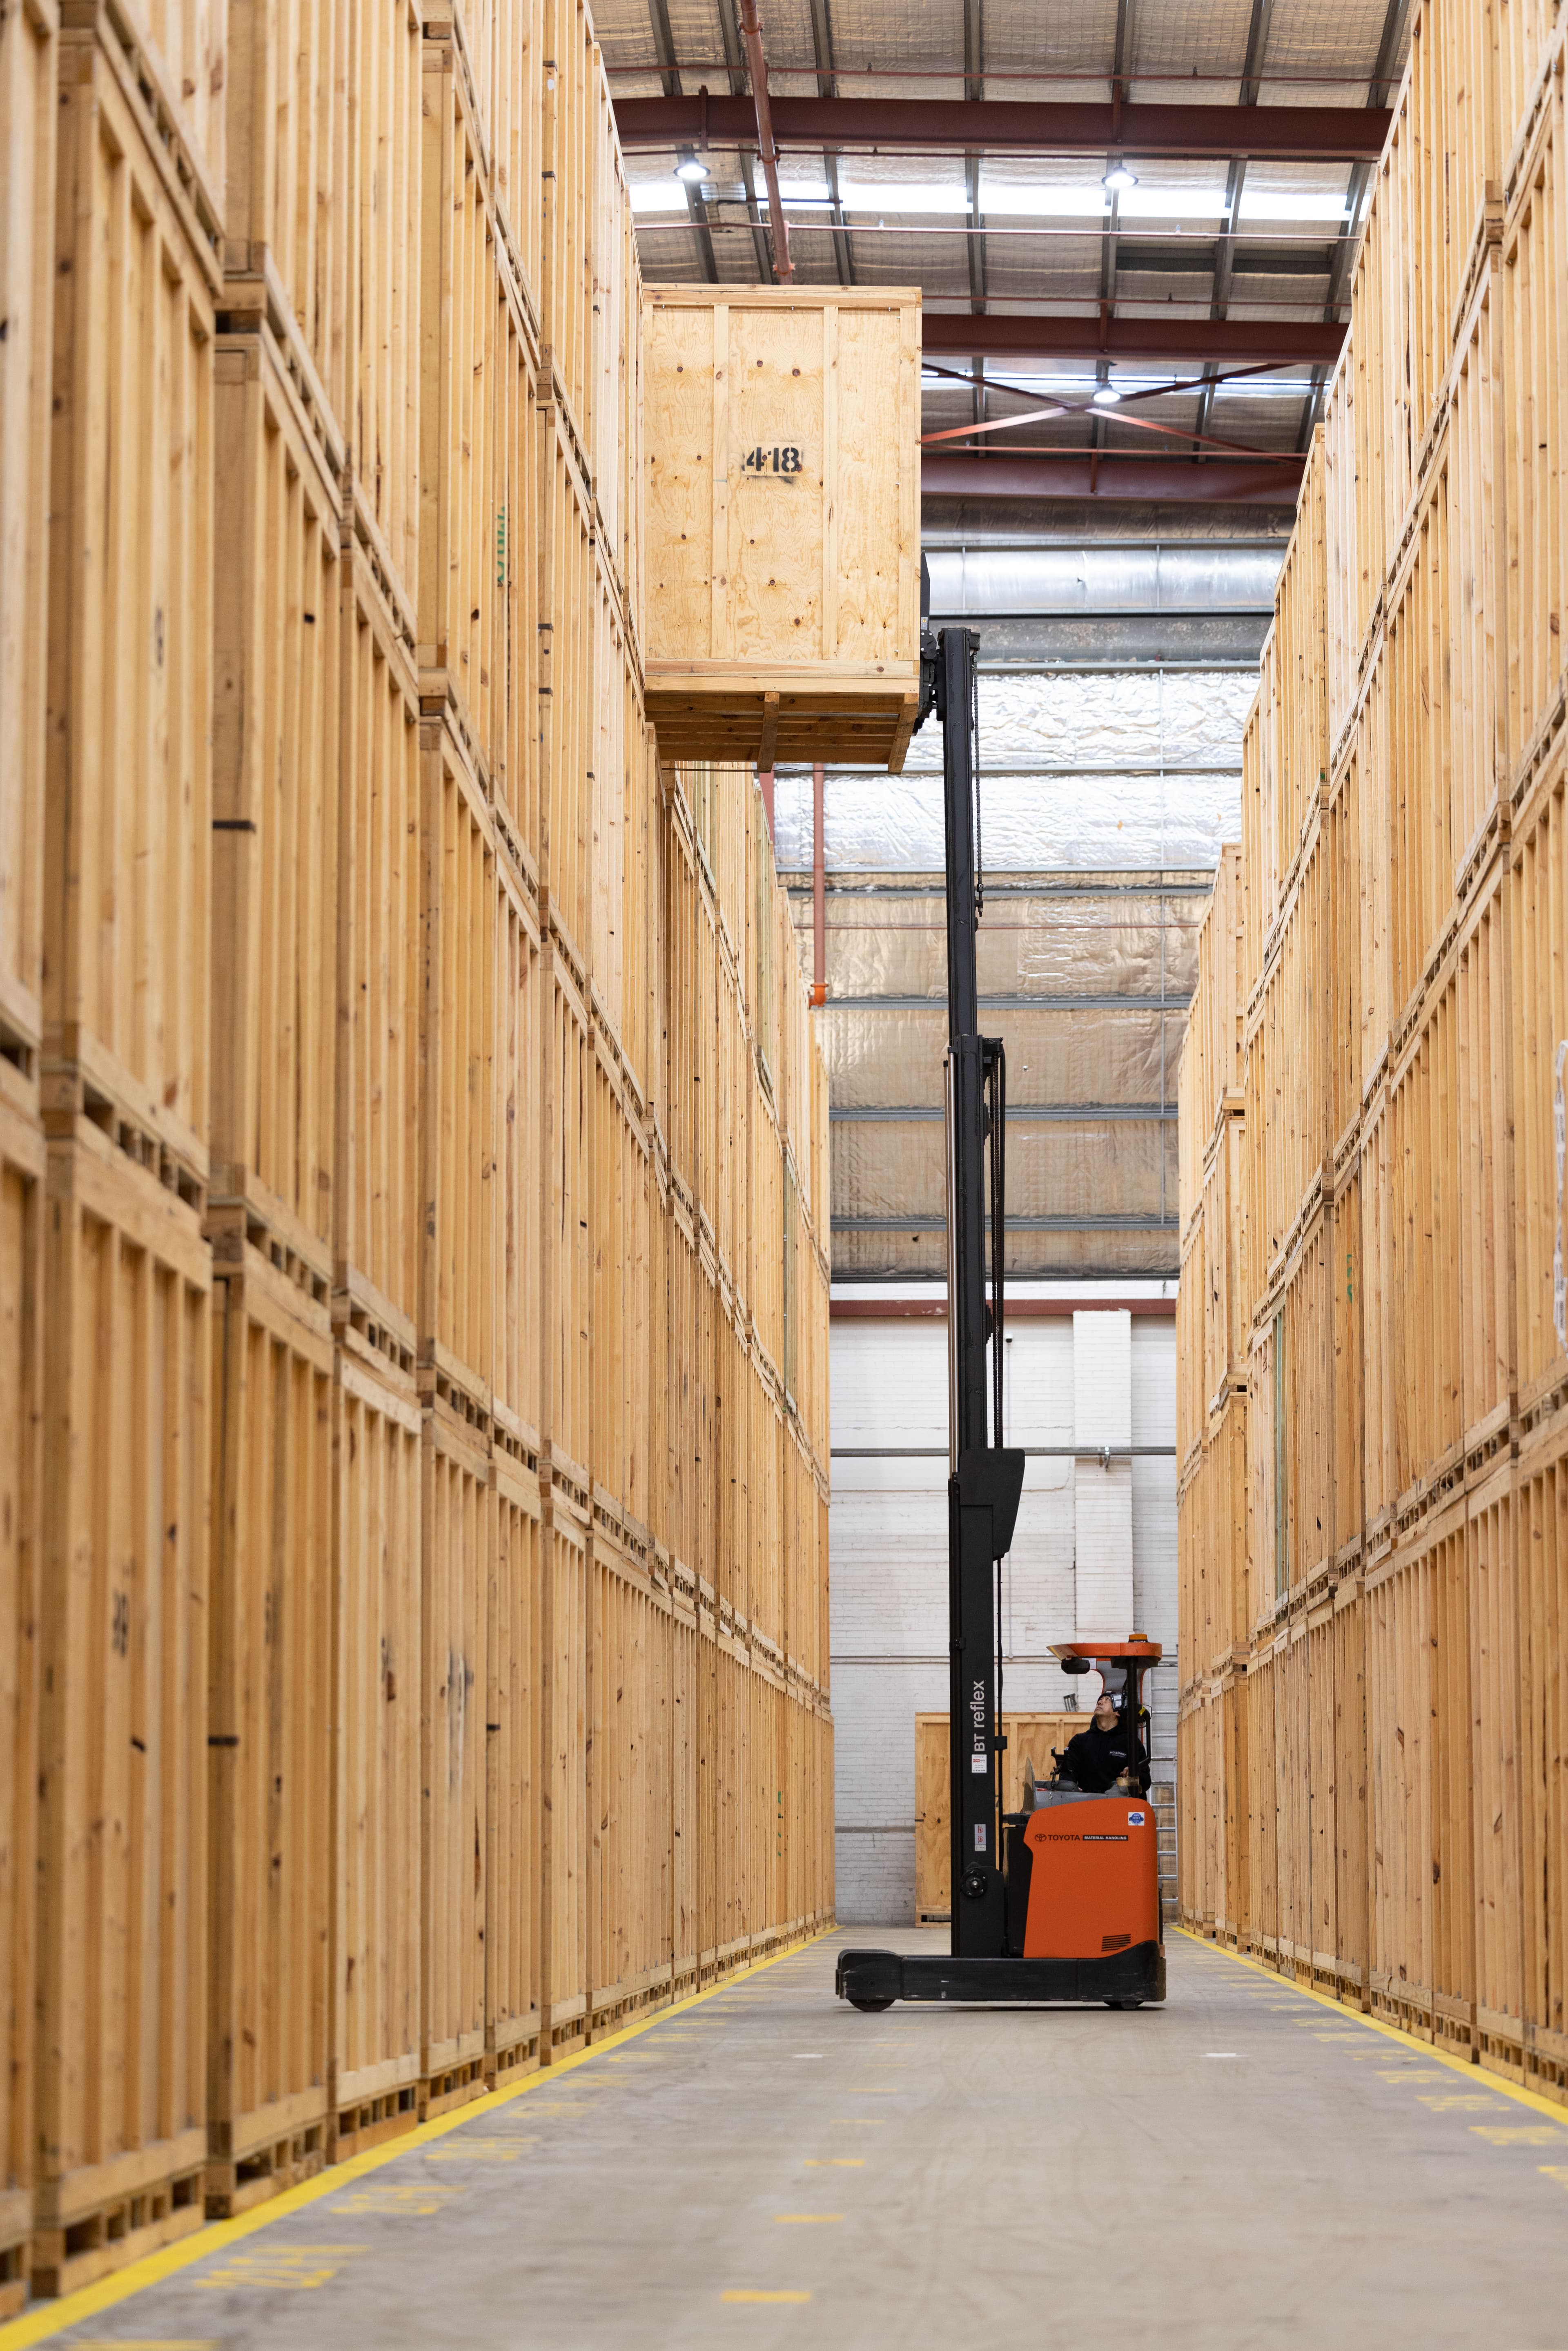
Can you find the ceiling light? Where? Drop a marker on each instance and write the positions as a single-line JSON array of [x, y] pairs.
[[1107, 395], [1119, 177], [690, 169]]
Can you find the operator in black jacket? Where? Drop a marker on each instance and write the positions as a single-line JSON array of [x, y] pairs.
[[1097, 1757]]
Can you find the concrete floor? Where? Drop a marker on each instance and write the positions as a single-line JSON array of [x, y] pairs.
[[769, 2168]]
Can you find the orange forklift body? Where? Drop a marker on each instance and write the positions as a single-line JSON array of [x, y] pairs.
[[1094, 1878]]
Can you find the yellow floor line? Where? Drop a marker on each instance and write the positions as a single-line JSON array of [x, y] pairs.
[[1471, 2073], [47, 2318]]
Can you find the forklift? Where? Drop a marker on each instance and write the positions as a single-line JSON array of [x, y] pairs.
[[1068, 1908]]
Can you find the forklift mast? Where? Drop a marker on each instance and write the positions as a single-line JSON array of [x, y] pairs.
[[985, 1478], [1083, 1892]]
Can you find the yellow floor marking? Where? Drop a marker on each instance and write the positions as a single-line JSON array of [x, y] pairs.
[[807, 2218], [35, 2326], [1518, 2133], [296, 2268], [1460, 2104], [1558, 2171], [1551, 2108], [146, 2342], [835, 2163], [762, 2294], [401, 2196], [1409, 2073]]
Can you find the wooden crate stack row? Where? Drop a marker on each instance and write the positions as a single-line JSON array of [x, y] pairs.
[[414, 1650], [1373, 1505]]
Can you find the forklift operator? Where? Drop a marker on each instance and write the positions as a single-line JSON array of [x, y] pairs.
[[1097, 1757]]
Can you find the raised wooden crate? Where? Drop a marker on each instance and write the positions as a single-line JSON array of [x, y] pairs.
[[1027, 1735], [782, 535]]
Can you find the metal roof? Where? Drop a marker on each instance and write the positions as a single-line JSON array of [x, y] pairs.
[[963, 145]]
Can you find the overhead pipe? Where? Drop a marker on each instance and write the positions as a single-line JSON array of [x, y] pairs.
[[777, 227]]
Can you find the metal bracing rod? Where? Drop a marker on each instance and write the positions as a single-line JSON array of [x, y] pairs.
[[778, 226]]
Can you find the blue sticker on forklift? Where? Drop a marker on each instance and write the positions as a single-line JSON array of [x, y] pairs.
[[1134, 1820]]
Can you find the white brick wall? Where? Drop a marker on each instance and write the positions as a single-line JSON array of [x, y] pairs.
[[888, 1565]]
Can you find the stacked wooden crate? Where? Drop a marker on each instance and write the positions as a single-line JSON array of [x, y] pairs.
[[1397, 1742], [434, 1406]]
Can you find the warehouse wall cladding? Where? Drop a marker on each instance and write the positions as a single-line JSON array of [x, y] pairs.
[[413, 1291], [1373, 1360]]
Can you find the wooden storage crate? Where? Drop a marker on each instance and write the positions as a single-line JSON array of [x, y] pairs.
[[513, 1811], [477, 580], [374, 2000], [1027, 1735], [781, 587], [275, 763], [122, 1920], [269, 1715], [457, 1510], [28, 68], [22, 1214], [128, 840], [376, 1246]]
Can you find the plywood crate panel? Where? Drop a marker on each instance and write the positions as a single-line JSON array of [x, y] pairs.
[[375, 1191], [505, 48], [513, 1809], [478, 583], [458, 1509], [374, 2005], [269, 1714], [573, 595], [1498, 1643], [1420, 1763], [121, 2091], [1530, 391], [517, 1362], [1539, 1528], [131, 583], [460, 910], [22, 1211], [781, 591], [28, 68], [1538, 889], [382, 291], [619, 1231], [567, 1288], [275, 767], [287, 213], [174, 56], [629, 1796], [564, 1885]]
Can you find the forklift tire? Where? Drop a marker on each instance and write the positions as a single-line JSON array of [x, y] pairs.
[[871, 2007], [1124, 2004]]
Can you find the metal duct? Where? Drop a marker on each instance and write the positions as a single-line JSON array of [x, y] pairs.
[[1122, 578]]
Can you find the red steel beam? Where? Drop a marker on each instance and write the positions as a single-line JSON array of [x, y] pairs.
[[1011, 126], [1231, 342], [1094, 474]]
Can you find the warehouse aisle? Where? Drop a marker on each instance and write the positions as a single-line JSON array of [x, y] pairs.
[[769, 2168]]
